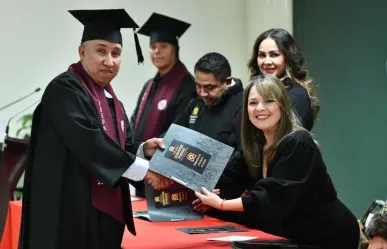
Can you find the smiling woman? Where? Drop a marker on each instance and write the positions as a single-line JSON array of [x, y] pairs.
[[276, 52], [270, 59], [278, 182], [266, 108], [264, 112]]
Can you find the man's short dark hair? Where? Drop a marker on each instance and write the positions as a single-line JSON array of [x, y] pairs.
[[216, 64]]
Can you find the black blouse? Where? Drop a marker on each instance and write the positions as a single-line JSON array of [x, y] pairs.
[[296, 200]]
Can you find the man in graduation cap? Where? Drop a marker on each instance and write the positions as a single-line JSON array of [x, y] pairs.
[[166, 95], [81, 153]]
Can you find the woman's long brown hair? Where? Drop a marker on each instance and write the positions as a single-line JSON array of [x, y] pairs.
[[253, 139]]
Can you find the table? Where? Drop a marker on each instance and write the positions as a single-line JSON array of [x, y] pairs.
[[150, 235]]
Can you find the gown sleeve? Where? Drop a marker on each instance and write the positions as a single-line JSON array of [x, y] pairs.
[[235, 177], [275, 196], [186, 93], [135, 112], [73, 116], [300, 102], [232, 134], [131, 145], [177, 112]]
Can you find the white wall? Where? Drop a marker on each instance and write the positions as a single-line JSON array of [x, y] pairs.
[[40, 39], [262, 15]]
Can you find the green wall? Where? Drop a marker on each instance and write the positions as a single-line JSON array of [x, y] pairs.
[[345, 45]]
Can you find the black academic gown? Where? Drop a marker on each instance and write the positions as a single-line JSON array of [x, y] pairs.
[[177, 106], [68, 148], [300, 102], [297, 199]]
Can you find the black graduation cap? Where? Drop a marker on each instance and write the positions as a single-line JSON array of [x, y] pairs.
[[161, 28], [106, 24]]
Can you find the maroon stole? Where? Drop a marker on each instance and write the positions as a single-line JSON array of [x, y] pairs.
[[103, 198], [165, 90]]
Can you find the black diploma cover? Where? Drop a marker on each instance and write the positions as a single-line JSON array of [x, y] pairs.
[[191, 159]]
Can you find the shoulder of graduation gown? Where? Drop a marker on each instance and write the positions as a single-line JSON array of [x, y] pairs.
[[133, 117], [131, 146], [298, 200], [295, 170], [300, 102], [235, 178], [68, 147], [181, 99], [183, 95]]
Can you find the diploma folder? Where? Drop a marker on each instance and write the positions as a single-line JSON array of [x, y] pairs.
[[191, 159], [171, 204]]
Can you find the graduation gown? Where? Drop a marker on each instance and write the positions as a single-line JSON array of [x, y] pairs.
[[176, 89], [297, 199], [160, 102], [68, 148], [300, 102]]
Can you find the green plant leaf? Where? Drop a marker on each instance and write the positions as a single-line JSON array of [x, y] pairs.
[[26, 124], [26, 119]]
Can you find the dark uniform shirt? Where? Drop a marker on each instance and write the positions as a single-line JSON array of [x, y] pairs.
[[215, 120]]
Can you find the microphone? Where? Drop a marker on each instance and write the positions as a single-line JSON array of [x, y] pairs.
[[18, 100], [17, 114]]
